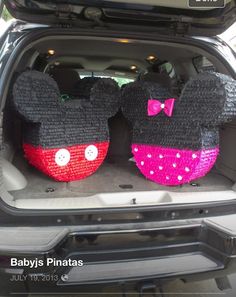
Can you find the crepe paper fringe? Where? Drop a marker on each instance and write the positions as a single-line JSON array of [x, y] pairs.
[[78, 166], [172, 167], [51, 125], [207, 101]]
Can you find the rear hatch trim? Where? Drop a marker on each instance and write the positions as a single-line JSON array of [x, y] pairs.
[[168, 20]]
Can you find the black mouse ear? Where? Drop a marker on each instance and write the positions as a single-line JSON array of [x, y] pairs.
[[105, 95], [134, 101], [136, 96], [36, 96], [209, 98]]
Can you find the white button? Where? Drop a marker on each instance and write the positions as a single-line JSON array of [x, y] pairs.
[[174, 165], [178, 155], [136, 149], [151, 172], [162, 105], [62, 157], [194, 156], [180, 177], [161, 167], [187, 169], [91, 153], [161, 156], [149, 156], [142, 163]]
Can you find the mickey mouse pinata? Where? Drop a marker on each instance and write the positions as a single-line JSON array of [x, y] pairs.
[[67, 141]]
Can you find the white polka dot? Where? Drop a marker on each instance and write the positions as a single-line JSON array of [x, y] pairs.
[[178, 155], [136, 149], [194, 156], [187, 169], [151, 172], [161, 167], [174, 165], [91, 153], [142, 163], [162, 105], [149, 156], [167, 177], [161, 156], [62, 157], [180, 177]]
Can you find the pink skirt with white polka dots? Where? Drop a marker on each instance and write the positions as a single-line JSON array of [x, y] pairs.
[[171, 167]]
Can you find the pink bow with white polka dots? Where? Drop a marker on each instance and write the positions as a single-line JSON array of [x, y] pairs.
[[155, 107]]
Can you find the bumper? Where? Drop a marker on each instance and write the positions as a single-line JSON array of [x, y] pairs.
[[176, 250]]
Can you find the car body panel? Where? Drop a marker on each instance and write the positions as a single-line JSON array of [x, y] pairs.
[[176, 249], [126, 237], [156, 15]]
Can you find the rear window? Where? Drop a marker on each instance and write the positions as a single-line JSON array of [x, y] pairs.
[[120, 80]]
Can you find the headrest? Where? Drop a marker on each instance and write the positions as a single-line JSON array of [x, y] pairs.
[[65, 78], [84, 86]]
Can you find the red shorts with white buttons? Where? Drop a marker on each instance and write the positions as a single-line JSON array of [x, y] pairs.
[[68, 163]]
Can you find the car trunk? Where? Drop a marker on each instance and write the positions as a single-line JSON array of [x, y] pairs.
[[118, 182], [115, 184]]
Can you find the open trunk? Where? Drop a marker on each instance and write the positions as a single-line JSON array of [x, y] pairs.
[[118, 182], [115, 184]]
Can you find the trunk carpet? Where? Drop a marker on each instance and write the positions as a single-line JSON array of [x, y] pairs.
[[119, 176]]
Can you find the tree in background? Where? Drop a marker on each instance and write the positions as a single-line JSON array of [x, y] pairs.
[[122, 81], [6, 14]]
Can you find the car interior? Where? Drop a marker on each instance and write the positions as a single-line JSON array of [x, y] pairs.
[[75, 63]]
